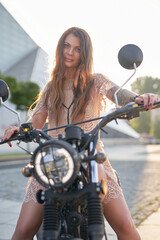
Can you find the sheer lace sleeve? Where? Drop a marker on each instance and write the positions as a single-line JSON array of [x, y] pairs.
[[41, 107], [103, 85], [107, 88]]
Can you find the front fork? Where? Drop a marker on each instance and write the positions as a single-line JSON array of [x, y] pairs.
[[95, 212], [50, 221]]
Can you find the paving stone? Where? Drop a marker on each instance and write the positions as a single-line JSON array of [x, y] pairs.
[[139, 173]]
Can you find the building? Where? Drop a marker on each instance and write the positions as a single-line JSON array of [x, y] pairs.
[[20, 57]]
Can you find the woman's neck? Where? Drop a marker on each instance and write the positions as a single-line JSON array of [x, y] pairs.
[[70, 73]]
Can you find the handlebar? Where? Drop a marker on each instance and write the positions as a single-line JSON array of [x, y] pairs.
[[28, 136], [125, 112], [129, 111]]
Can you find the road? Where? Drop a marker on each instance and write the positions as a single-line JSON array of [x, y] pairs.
[[139, 169], [137, 165]]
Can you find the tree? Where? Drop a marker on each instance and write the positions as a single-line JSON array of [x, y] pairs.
[[142, 124], [145, 85], [156, 128], [140, 86], [11, 82], [24, 95], [1, 75]]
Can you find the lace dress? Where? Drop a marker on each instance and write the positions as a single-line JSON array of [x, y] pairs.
[[97, 103]]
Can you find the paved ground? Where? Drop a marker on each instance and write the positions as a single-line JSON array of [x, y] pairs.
[[150, 228], [139, 170]]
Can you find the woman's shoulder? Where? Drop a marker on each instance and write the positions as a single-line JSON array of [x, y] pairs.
[[46, 86], [100, 79], [45, 90]]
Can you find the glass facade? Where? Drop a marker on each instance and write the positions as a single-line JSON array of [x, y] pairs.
[[20, 57], [14, 41]]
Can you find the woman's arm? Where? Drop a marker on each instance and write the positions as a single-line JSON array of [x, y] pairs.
[[38, 120], [124, 96], [108, 88]]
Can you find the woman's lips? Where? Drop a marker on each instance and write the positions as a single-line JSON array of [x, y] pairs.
[[69, 60]]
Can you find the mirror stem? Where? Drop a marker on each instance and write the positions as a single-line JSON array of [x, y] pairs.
[[12, 110], [116, 93]]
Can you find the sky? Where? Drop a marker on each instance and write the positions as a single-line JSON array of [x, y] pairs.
[[111, 24]]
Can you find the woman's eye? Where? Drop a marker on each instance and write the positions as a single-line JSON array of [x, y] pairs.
[[78, 49], [66, 45]]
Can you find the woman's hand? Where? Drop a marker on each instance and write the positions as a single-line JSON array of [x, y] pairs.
[[147, 99], [9, 132]]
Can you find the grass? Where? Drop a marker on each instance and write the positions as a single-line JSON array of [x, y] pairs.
[[13, 155]]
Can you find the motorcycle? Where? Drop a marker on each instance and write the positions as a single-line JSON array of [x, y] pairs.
[[68, 166]]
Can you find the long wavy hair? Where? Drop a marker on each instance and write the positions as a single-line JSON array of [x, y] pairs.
[[83, 80]]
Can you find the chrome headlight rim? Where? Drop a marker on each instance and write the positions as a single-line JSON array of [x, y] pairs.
[[72, 152]]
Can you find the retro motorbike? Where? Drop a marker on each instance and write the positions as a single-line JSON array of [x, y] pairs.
[[68, 166]]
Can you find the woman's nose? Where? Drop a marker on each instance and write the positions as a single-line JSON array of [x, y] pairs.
[[70, 51]]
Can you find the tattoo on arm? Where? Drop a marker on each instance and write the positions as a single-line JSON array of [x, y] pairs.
[[124, 95]]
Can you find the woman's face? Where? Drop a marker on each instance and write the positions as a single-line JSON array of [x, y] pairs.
[[71, 51]]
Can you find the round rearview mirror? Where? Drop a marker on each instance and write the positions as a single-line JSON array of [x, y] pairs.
[[4, 90], [129, 55]]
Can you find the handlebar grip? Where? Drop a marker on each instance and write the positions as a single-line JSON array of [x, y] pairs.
[[155, 105], [14, 137]]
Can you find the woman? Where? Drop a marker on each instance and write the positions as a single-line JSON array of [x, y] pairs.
[[74, 94]]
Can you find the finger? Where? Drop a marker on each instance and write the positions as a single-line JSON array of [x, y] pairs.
[[9, 132], [146, 99], [153, 99], [7, 135], [143, 99], [139, 100], [10, 144]]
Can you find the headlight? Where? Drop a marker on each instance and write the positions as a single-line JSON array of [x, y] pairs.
[[56, 164]]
